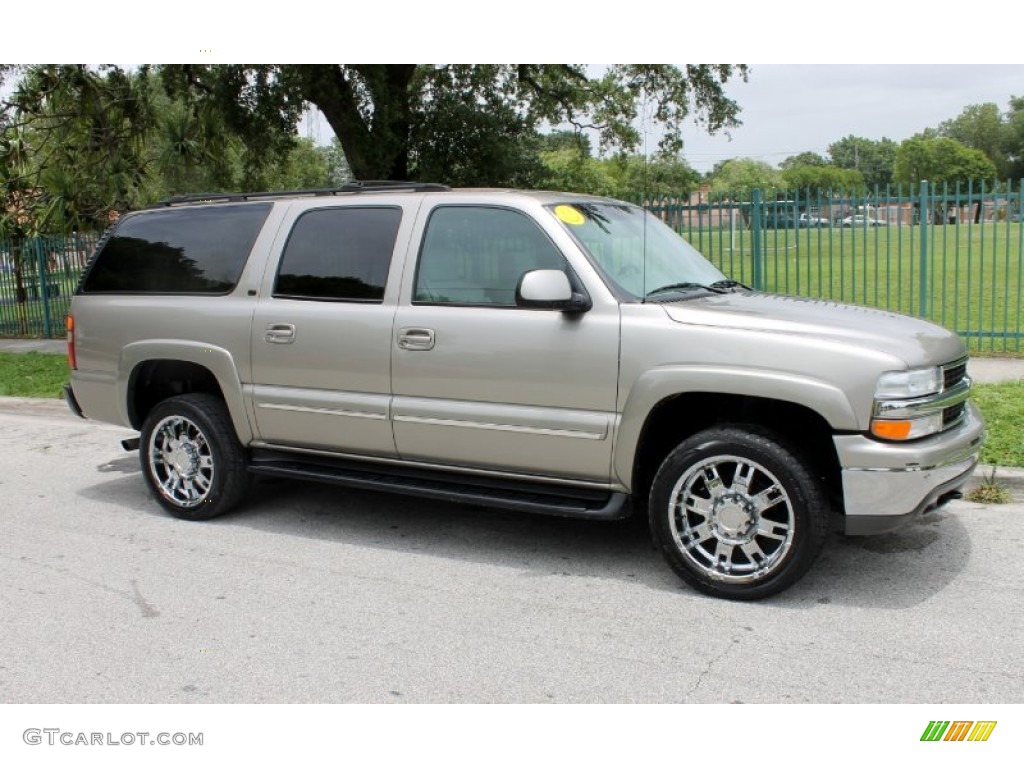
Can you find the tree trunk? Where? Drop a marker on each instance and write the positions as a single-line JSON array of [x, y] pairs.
[[375, 138]]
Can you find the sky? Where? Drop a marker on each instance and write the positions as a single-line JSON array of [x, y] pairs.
[[793, 108]]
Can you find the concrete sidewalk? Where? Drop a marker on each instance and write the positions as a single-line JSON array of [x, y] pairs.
[[46, 346]]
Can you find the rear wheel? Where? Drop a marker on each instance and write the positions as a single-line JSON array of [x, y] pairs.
[[191, 458], [737, 512]]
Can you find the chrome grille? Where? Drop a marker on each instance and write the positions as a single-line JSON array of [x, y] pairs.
[[953, 373], [953, 415]]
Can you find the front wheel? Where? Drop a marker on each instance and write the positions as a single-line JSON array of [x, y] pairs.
[[738, 513], [191, 458]]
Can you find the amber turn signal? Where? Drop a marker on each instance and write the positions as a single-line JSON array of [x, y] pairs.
[[891, 430]]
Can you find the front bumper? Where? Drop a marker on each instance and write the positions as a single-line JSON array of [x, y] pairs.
[[887, 485]]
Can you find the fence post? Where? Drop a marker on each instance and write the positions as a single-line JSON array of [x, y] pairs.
[[922, 308], [755, 240], [43, 276]]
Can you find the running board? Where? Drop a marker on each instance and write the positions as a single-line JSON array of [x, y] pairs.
[[540, 498]]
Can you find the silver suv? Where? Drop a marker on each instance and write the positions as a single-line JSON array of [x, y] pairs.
[[538, 351]]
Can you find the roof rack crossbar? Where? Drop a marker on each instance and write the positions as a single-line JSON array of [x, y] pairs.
[[351, 187]]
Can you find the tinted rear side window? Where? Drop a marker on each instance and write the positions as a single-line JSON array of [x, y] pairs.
[[179, 250], [339, 254]]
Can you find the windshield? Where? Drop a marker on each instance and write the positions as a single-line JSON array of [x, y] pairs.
[[635, 250]]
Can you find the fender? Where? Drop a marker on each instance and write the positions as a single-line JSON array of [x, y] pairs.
[[655, 385], [215, 359]]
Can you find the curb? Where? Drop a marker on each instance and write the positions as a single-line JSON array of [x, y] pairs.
[[35, 406], [1011, 478]]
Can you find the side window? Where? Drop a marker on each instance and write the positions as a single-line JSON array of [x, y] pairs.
[[199, 249], [476, 255], [340, 254]]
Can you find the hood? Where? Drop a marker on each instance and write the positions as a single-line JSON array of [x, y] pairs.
[[914, 341]]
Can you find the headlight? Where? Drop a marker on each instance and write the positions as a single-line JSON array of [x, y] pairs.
[[917, 382]]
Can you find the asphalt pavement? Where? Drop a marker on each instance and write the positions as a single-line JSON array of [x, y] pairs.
[[320, 594]]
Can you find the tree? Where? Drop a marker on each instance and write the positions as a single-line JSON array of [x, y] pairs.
[[77, 144], [874, 159], [941, 161], [445, 122], [822, 179], [566, 139], [981, 127], [338, 172], [626, 177], [661, 176], [73, 145], [567, 170], [804, 159], [739, 177], [1013, 138]]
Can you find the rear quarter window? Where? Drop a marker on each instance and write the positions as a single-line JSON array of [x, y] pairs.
[[178, 250]]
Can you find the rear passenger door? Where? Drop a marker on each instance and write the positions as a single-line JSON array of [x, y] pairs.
[[322, 330]]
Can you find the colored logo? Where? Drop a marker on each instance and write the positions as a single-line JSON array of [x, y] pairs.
[[958, 730]]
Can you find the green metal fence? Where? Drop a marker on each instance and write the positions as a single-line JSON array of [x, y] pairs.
[[38, 276], [953, 256]]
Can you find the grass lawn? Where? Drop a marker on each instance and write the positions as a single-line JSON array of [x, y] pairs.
[[38, 375], [32, 374], [1003, 408]]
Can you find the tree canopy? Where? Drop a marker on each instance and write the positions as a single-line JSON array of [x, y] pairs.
[[463, 124], [822, 178], [874, 159], [941, 161], [1014, 138], [78, 142], [78, 145], [981, 127], [739, 177]]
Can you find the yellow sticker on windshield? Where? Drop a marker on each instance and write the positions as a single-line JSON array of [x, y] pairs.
[[569, 215]]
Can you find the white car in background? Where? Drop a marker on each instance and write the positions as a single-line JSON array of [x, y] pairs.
[[858, 220]]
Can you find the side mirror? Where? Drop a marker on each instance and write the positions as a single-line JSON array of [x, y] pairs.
[[549, 289]]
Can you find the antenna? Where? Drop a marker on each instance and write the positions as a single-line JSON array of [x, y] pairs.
[[646, 188]]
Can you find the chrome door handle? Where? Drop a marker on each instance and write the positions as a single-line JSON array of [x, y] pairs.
[[280, 333], [416, 339]]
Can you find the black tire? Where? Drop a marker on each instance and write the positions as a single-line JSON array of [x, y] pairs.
[[738, 513], [191, 457]]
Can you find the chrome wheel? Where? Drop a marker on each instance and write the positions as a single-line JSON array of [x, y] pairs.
[[731, 519], [180, 461]]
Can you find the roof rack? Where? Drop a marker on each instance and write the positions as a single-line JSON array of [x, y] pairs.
[[351, 187]]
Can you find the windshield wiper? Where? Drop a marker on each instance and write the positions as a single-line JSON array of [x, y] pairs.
[[683, 287], [730, 285]]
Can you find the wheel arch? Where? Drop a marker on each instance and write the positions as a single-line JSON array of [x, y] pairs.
[[150, 372], [676, 417]]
